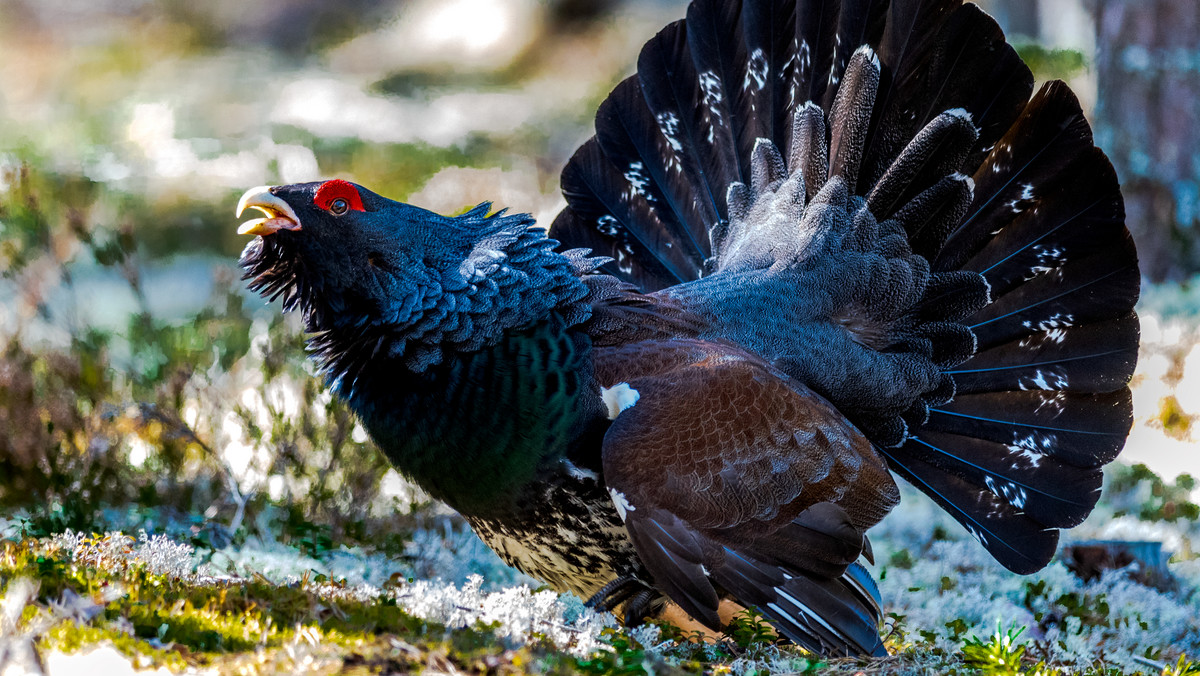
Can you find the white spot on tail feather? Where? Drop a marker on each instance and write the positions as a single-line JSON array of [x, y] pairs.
[[756, 71], [618, 398], [710, 85], [668, 124], [608, 225], [638, 181], [1043, 380], [1007, 491], [977, 534], [621, 503], [1055, 401], [1056, 336], [1058, 320], [1031, 449]]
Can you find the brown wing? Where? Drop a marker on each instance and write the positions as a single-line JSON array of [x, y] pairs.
[[732, 477]]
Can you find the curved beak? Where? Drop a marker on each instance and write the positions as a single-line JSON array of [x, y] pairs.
[[279, 214]]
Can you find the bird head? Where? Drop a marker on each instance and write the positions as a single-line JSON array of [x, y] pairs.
[[373, 276], [345, 255]]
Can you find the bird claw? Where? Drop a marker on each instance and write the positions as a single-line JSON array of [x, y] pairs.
[[619, 591]]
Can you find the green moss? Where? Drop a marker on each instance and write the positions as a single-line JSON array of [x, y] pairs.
[[176, 622], [70, 637], [258, 626]]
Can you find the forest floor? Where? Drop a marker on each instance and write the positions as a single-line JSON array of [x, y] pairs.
[[121, 604]]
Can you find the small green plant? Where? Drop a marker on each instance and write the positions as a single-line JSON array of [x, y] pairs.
[[1183, 667], [749, 628], [1000, 655], [627, 656]]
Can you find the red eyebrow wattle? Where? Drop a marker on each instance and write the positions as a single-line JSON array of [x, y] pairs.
[[332, 190]]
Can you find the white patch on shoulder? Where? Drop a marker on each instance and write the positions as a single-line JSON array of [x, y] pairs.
[[618, 398], [621, 503], [579, 472]]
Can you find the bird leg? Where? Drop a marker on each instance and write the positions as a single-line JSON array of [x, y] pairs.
[[638, 608]]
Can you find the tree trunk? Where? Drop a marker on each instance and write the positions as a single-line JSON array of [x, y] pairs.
[[1148, 121]]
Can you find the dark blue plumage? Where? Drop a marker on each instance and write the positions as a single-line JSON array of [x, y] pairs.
[[834, 239]]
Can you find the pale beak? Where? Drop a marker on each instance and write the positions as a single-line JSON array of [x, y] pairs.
[[279, 215]]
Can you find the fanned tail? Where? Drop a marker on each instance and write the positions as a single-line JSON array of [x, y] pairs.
[[1043, 404], [934, 132]]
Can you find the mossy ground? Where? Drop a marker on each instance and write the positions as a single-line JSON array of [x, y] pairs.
[[237, 624], [142, 597]]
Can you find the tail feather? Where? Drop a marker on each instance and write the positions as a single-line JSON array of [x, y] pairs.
[[1050, 492], [907, 48], [1084, 430], [618, 225], [814, 40], [924, 111], [720, 63], [1081, 205], [859, 22], [776, 51], [944, 55], [632, 142], [1015, 539], [1037, 152], [1075, 294], [672, 91], [832, 616], [1098, 357]]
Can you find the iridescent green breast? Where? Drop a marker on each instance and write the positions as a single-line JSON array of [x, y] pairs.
[[477, 429]]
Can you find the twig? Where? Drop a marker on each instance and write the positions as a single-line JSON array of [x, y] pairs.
[[180, 428]]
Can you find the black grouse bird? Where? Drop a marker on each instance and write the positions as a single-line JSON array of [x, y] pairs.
[[812, 243]]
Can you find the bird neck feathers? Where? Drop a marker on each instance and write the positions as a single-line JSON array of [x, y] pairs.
[[510, 279]]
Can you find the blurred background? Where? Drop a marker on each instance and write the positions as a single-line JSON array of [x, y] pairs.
[[141, 387]]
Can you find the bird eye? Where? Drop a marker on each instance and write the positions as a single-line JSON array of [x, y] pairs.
[[339, 206]]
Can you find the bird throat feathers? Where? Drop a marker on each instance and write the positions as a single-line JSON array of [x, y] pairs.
[[509, 279]]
